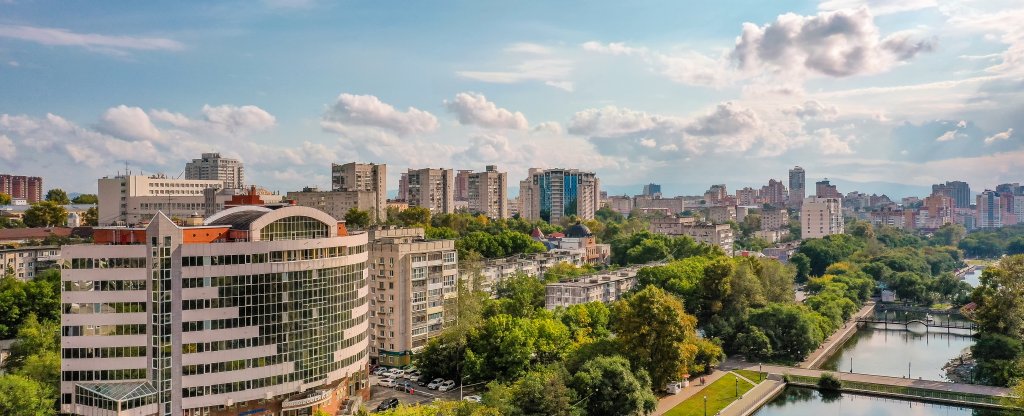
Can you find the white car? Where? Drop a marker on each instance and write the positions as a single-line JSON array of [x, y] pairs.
[[415, 377], [447, 385], [474, 399], [396, 373], [386, 382], [380, 371], [435, 384]]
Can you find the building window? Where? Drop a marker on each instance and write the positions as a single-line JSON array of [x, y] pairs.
[[294, 228]]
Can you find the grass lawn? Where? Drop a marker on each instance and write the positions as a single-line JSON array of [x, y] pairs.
[[720, 394], [751, 375]]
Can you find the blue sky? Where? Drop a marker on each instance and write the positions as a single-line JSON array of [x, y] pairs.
[[684, 94]]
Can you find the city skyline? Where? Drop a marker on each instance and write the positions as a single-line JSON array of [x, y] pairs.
[[690, 98]]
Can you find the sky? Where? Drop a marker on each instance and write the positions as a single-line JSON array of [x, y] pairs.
[[686, 94]]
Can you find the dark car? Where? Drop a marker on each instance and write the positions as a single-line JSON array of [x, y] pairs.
[[387, 404]]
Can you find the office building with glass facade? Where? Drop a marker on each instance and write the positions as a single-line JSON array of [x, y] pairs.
[[258, 311], [552, 194]]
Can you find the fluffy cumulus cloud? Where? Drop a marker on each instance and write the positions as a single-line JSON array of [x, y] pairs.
[[954, 133], [473, 108], [831, 143], [812, 109], [7, 150], [129, 122], [726, 119], [999, 136], [836, 43], [368, 110]]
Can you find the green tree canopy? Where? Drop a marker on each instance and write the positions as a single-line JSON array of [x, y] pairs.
[[58, 195], [5, 199], [609, 387], [87, 199], [357, 218], [656, 333], [45, 214], [22, 396]]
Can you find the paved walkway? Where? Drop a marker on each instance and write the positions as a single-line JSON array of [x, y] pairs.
[[668, 402], [837, 339], [754, 399], [889, 381]]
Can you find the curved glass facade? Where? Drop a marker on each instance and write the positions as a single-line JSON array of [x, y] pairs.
[[294, 228]]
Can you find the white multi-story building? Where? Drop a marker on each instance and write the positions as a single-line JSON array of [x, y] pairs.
[[487, 192], [213, 167], [493, 271], [602, 287], [338, 203], [24, 262], [411, 280], [257, 311], [132, 199], [820, 217]]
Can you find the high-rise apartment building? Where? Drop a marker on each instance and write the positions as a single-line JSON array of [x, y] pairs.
[[747, 196], [433, 189], [29, 188], [938, 210], [989, 210], [256, 311], [132, 199], [774, 193], [797, 186], [462, 184], [338, 203], [403, 187], [824, 189], [215, 168], [820, 217], [716, 194], [550, 194], [774, 219], [960, 191], [412, 280], [487, 192], [363, 178], [652, 189]]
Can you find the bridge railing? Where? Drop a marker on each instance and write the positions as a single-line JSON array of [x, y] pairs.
[[907, 391]]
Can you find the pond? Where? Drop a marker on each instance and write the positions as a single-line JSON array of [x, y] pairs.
[[800, 401]]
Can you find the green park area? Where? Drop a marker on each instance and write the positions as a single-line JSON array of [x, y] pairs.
[[719, 395]]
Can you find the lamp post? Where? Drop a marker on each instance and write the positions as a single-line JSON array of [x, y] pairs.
[[705, 405], [908, 369], [737, 378]]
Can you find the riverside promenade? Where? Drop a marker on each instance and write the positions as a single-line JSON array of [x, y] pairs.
[[836, 340]]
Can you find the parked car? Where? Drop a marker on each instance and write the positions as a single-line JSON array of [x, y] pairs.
[[474, 399], [397, 373], [423, 382], [435, 384], [386, 382], [387, 404], [414, 377], [447, 385], [379, 371]]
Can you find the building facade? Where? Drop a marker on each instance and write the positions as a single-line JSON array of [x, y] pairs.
[[433, 189], [255, 312], [338, 203], [132, 199], [797, 186], [25, 262], [722, 214], [413, 287], [652, 189], [364, 180], [958, 190], [487, 192], [29, 188], [825, 189], [552, 194], [774, 193], [493, 271], [212, 167], [603, 287], [820, 217], [462, 184], [989, 210]]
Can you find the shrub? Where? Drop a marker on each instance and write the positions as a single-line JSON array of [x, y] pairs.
[[828, 381]]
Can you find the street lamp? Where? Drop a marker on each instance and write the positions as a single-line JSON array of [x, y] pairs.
[[737, 378], [705, 405]]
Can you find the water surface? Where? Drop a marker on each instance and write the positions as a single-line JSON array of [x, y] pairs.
[[800, 401], [877, 351]]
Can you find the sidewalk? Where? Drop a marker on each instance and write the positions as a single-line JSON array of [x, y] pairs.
[[668, 402], [837, 339], [754, 399]]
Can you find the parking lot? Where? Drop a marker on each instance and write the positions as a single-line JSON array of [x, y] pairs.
[[420, 394]]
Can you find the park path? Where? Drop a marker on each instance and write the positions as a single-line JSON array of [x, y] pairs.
[[668, 402], [836, 340]]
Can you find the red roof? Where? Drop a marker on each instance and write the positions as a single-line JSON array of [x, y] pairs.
[[11, 234], [537, 233]]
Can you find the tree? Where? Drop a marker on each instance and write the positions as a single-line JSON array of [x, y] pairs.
[[656, 333], [443, 408], [1000, 298], [414, 216], [608, 387], [22, 396], [754, 345], [45, 214], [518, 295], [587, 321], [1015, 246], [86, 199], [792, 329], [5, 199], [33, 337], [803, 266], [538, 393], [91, 217], [58, 195], [357, 218], [949, 235]]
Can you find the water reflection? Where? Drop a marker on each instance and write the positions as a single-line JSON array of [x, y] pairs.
[[918, 352], [798, 401]]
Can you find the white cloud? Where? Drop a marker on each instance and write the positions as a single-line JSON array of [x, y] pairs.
[[953, 134], [692, 68], [552, 72], [8, 151], [614, 121], [368, 110], [528, 48], [727, 119], [473, 108], [999, 136], [812, 109], [612, 48], [92, 41], [13, 64], [648, 143], [837, 43], [128, 122], [550, 127], [831, 144], [878, 7], [224, 120]]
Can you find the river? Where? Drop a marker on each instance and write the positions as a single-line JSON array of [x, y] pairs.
[[800, 401]]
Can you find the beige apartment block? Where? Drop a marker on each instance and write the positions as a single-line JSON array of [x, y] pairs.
[[433, 189], [413, 288], [132, 199], [820, 217], [362, 178], [337, 203], [487, 192], [211, 166]]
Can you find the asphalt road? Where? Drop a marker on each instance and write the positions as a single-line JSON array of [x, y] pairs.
[[422, 394]]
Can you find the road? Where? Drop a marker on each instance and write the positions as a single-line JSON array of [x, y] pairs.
[[422, 394]]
